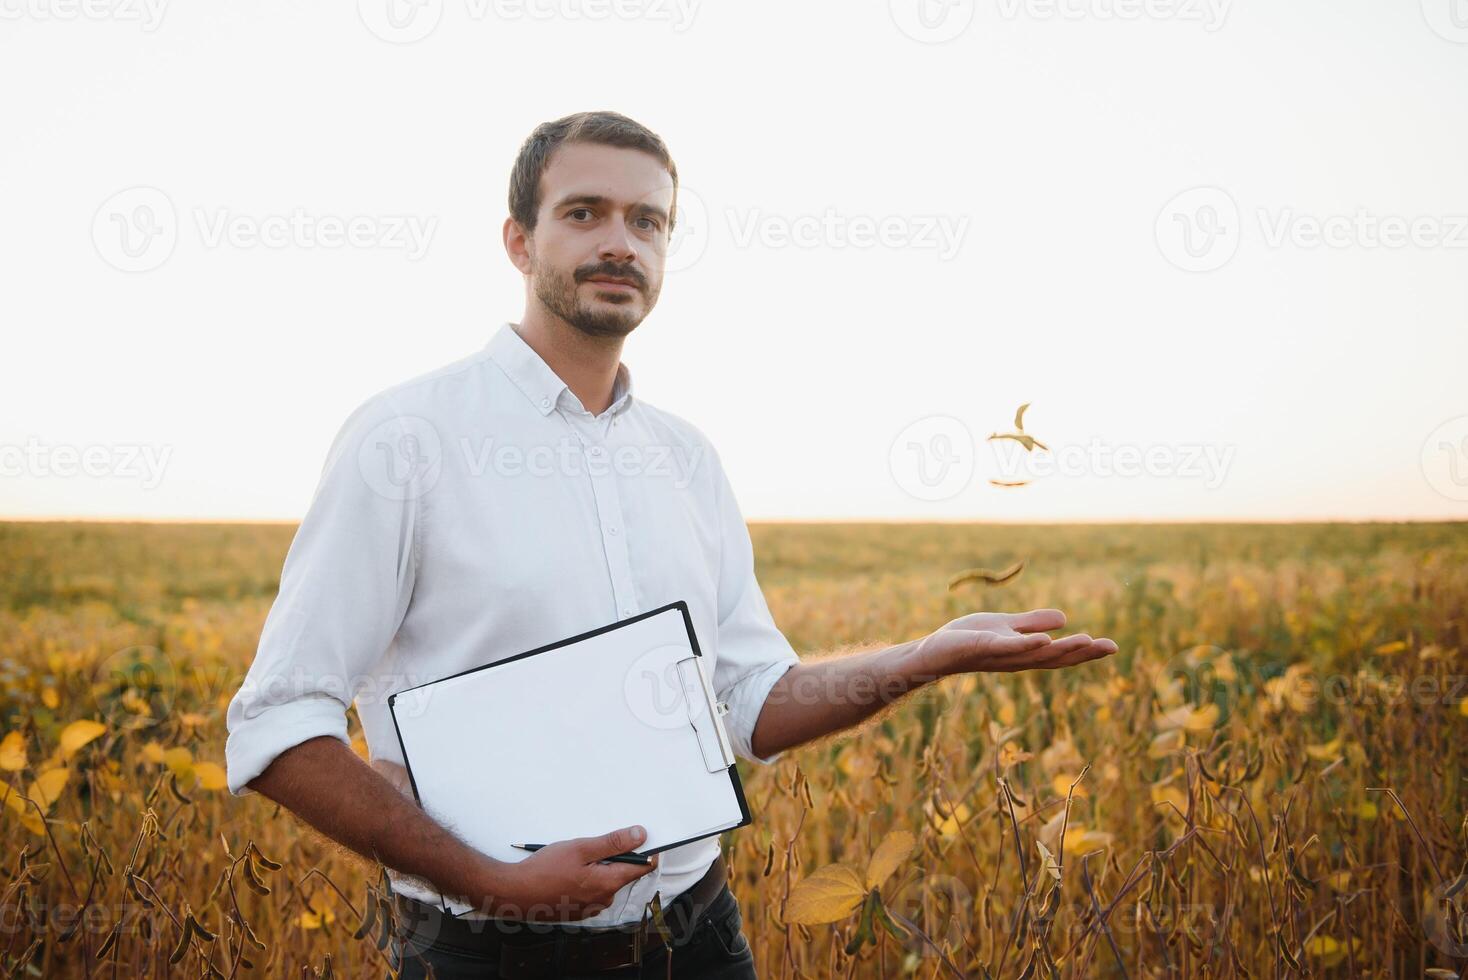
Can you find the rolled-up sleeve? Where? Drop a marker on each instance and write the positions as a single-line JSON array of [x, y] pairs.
[[344, 590], [752, 652]]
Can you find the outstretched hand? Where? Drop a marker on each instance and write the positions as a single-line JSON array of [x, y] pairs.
[[1005, 642]]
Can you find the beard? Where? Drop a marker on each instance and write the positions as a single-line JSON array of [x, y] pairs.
[[614, 318]]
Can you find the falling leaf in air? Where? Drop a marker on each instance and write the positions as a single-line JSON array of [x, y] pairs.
[[986, 576], [1019, 435], [1009, 483]]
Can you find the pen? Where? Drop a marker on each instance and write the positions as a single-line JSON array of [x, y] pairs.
[[619, 858]]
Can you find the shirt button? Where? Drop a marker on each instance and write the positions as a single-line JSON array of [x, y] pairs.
[[626, 610], [612, 529], [596, 450], [544, 402]]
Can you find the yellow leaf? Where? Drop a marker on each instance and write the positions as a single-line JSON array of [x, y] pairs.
[[1166, 744], [1202, 719], [1079, 840], [1163, 795], [1326, 751], [13, 799], [1463, 707], [153, 752], [24, 810], [1188, 718], [948, 822], [888, 857], [50, 699], [1061, 785], [77, 734], [1339, 880], [313, 920], [12, 752], [1366, 810], [48, 786], [180, 760], [1011, 754], [831, 893], [211, 775], [135, 704], [1396, 646], [1328, 950]]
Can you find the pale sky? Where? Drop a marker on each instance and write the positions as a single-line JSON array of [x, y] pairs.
[[1227, 238]]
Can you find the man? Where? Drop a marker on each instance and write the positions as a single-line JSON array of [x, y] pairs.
[[516, 497]]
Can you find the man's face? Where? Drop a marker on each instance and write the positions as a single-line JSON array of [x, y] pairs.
[[604, 214]]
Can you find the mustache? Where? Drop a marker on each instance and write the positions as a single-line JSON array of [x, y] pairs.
[[635, 277]]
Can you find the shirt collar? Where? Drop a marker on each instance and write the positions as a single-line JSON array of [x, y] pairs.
[[535, 378]]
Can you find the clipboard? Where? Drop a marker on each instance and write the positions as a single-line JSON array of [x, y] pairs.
[[572, 729]]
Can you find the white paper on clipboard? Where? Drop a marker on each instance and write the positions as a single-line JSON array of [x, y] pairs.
[[610, 728]]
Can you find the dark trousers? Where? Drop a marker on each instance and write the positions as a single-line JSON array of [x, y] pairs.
[[717, 949]]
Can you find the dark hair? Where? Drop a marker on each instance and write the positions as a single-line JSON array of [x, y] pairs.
[[608, 128]]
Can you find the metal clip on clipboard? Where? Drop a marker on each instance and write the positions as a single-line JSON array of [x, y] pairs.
[[705, 713]]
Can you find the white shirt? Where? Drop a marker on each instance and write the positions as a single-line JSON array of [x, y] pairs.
[[476, 512]]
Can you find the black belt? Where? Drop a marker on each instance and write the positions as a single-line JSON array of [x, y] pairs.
[[531, 949]]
